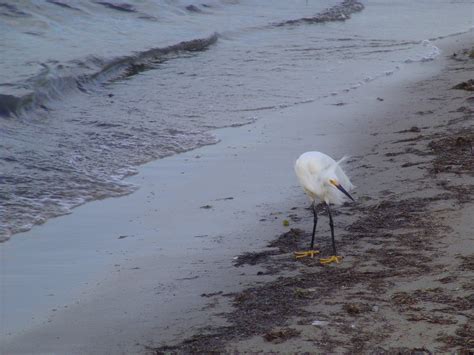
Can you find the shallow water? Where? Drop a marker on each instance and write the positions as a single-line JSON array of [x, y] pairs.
[[90, 92]]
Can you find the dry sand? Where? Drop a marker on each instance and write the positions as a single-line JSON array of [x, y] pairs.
[[156, 270]]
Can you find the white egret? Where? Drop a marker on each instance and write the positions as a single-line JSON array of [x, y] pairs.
[[323, 180]]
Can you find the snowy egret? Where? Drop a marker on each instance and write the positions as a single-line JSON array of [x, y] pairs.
[[323, 180]]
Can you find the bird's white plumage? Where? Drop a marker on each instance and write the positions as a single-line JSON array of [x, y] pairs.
[[315, 170]]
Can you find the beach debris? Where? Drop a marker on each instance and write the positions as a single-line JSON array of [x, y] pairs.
[[225, 198], [467, 262], [454, 153], [351, 308], [461, 141], [320, 323], [462, 338], [465, 85], [411, 139], [292, 233], [447, 279], [294, 217], [243, 298], [119, 7], [464, 53], [206, 207], [193, 8], [464, 108], [188, 278], [356, 308], [413, 129], [304, 292], [340, 12], [430, 318], [288, 241], [286, 223], [281, 335], [211, 294], [254, 258], [422, 113]]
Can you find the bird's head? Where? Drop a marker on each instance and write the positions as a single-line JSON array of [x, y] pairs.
[[337, 185]]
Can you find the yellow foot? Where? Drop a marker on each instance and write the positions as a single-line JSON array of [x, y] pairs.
[[303, 254], [331, 259]]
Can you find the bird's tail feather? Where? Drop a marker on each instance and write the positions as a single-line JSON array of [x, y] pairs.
[[348, 184], [343, 159]]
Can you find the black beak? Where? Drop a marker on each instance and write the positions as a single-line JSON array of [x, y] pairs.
[[343, 190]]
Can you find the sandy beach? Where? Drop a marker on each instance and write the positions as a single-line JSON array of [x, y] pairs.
[[200, 258], [406, 282]]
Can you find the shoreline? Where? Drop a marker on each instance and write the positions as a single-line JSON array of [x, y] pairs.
[[406, 282], [142, 251]]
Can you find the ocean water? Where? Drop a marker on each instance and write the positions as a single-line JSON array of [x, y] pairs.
[[89, 90]]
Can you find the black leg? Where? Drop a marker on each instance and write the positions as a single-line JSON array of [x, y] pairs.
[[315, 222], [331, 224]]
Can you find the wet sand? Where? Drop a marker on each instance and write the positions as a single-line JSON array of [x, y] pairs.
[[159, 269]]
